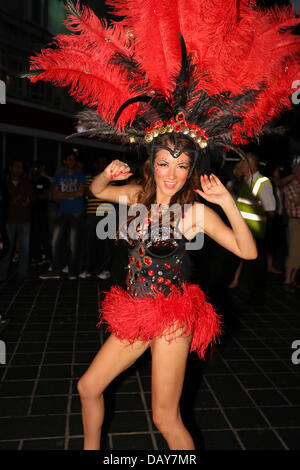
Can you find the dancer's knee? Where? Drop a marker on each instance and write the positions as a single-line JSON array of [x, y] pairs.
[[86, 390], [164, 419]]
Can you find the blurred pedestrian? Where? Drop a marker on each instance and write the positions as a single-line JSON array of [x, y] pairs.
[[235, 183], [69, 191], [277, 239], [98, 253], [43, 171], [234, 186], [40, 237], [4, 204], [4, 242], [18, 219], [292, 204], [257, 204]]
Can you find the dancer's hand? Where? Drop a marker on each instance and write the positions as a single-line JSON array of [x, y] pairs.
[[117, 171], [213, 190]]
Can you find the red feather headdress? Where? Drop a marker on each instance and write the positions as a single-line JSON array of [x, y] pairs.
[[218, 75]]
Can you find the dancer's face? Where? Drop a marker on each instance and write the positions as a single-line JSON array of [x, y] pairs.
[[170, 174]]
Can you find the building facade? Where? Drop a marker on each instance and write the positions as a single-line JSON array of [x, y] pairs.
[[36, 118]]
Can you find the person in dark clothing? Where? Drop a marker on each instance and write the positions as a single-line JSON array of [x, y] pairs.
[[40, 238], [277, 244], [257, 204], [18, 219], [4, 242], [98, 253], [4, 203]]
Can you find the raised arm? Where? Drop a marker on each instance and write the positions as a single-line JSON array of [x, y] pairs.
[[115, 171], [238, 239]]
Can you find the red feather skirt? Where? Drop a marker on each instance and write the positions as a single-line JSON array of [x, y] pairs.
[[184, 311]]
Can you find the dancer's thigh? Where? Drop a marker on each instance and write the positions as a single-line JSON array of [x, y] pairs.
[[113, 358], [168, 371]]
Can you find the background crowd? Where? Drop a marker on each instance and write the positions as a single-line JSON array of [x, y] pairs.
[[51, 222]]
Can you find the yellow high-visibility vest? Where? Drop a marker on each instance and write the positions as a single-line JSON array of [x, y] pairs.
[[250, 206]]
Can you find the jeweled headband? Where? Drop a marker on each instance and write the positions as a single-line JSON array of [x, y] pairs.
[[177, 125]]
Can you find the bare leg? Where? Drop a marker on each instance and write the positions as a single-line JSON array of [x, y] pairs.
[[113, 358], [289, 275], [168, 371], [271, 268]]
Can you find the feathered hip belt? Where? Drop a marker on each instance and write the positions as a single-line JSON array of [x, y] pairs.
[[184, 311]]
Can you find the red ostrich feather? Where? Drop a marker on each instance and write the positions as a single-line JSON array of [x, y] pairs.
[[81, 61], [234, 46]]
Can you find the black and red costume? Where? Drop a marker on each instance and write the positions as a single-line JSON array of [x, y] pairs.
[[158, 302]]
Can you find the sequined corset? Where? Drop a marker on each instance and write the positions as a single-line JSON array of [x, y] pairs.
[[155, 264]]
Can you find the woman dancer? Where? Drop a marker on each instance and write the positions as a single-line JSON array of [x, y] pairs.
[[178, 333]]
